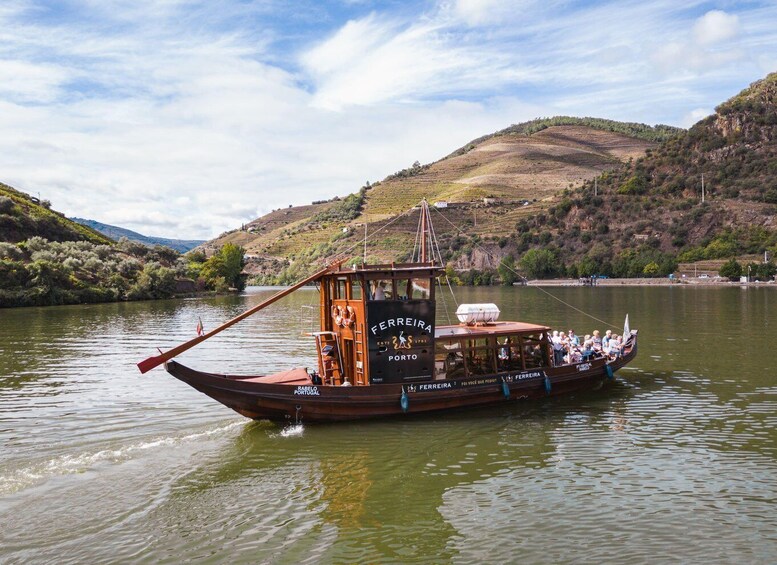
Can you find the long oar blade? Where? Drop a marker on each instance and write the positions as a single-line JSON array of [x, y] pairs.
[[148, 364]]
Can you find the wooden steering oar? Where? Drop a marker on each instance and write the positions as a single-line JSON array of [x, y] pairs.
[[148, 364]]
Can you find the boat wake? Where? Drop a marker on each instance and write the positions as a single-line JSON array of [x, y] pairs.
[[293, 430], [15, 480]]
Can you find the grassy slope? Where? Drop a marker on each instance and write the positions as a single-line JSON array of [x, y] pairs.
[[27, 219], [511, 165]]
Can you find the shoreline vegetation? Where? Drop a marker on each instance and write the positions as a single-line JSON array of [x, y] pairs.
[[38, 272], [665, 281]]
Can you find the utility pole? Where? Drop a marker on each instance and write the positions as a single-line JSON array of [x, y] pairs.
[[365, 239], [702, 188], [596, 185]]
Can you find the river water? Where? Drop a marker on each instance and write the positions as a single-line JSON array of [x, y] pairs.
[[674, 463]]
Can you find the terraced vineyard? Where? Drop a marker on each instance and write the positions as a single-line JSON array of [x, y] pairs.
[[487, 188]]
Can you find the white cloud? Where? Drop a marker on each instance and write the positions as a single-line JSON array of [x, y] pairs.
[[31, 82], [483, 12], [187, 118], [715, 27], [372, 61], [708, 48], [376, 60], [677, 57], [694, 116]]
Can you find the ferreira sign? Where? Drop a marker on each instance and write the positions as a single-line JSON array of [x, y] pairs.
[[475, 382], [400, 338]]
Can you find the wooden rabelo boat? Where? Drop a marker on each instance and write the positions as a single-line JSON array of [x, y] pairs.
[[381, 354]]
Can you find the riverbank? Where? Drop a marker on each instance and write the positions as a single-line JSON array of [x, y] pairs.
[[691, 281]]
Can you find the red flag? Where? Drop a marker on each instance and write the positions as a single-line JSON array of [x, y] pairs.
[[200, 329]]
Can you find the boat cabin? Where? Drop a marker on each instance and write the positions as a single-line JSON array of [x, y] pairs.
[[491, 348], [378, 327], [377, 324]]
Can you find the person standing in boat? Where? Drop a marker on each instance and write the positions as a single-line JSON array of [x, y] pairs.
[[378, 292], [558, 349]]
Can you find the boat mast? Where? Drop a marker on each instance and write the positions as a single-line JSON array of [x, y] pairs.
[[424, 213]]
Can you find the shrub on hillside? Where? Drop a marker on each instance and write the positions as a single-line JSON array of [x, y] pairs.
[[6, 205], [155, 281], [540, 263]]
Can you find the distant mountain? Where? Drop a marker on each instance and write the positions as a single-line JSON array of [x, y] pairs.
[[115, 232], [23, 216]]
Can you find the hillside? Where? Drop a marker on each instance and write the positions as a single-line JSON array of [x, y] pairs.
[[489, 185], [562, 197], [46, 259], [23, 216], [115, 232], [650, 210]]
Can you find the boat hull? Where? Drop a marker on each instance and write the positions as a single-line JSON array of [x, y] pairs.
[[314, 403]]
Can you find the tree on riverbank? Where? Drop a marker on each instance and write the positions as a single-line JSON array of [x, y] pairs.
[[731, 270], [224, 269]]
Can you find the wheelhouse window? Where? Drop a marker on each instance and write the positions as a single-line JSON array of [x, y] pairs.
[[341, 287], [356, 289], [413, 289], [382, 289], [419, 289]]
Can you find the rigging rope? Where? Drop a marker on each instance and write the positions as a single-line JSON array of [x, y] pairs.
[[481, 248], [345, 253], [608, 324], [417, 236], [439, 255]]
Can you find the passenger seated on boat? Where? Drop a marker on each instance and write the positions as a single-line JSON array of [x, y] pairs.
[[597, 341], [618, 345], [606, 340], [587, 352], [455, 365], [537, 358], [504, 352], [573, 339], [614, 346]]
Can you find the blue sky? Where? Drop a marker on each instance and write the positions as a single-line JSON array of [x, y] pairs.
[[186, 118]]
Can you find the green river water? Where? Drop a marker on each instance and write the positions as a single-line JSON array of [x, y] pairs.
[[676, 462]]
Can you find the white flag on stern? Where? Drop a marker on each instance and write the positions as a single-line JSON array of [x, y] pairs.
[[626, 329]]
